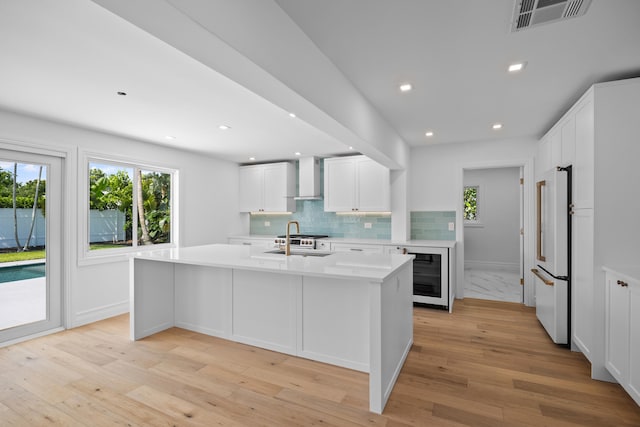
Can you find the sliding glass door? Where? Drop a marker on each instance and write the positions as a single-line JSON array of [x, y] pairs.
[[30, 244]]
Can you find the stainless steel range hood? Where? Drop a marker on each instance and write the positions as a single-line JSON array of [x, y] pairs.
[[309, 179]]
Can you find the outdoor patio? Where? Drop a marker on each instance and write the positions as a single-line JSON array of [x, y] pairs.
[[22, 302]]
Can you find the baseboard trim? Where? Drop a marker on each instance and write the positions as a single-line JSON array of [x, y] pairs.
[[99, 313]]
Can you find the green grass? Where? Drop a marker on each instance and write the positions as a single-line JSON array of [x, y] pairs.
[[22, 256], [95, 246]]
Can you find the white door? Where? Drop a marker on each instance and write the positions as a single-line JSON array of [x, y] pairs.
[[30, 290]]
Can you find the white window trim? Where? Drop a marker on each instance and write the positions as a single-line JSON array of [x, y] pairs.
[[88, 257]]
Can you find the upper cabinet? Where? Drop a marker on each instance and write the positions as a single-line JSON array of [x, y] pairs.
[[584, 165], [268, 188], [355, 183]]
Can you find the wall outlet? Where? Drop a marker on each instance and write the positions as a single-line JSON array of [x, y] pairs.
[[367, 225], [452, 226], [267, 223]]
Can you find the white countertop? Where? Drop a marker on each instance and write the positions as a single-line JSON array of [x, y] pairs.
[[372, 267], [389, 242]]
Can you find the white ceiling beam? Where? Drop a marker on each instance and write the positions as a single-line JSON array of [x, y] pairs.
[[257, 45]]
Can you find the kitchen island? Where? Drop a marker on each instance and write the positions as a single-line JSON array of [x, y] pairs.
[[346, 309]]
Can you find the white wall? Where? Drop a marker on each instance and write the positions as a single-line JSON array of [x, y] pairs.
[[208, 205], [496, 239], [436, 185]]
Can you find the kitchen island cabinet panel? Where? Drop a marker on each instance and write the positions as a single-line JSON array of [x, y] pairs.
[[201, 306], [264, 310], [335, 322]]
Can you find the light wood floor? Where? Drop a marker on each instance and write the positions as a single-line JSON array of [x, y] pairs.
[[487, 364]]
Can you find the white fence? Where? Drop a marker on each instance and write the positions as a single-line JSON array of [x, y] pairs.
[[106, 226]]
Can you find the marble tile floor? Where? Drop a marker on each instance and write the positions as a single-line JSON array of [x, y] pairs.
[[492, 283]]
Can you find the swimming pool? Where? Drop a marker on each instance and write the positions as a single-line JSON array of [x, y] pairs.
[[22, 272]]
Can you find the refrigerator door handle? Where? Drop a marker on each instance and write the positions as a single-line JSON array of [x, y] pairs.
[[565, 278], [541, 277]]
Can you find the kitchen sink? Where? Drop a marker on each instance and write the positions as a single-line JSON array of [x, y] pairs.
[[301, 253]]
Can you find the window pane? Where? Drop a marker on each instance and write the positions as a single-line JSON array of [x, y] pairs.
[[470, 203], [110, 206], [154, 207]]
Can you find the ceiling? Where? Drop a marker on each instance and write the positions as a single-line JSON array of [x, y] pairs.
[[66, 61]]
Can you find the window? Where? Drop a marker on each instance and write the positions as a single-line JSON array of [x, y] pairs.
[[129, 206], [471, 204]]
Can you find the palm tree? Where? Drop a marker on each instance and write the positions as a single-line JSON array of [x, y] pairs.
[[33, 211], [15, 211], [146, 240]]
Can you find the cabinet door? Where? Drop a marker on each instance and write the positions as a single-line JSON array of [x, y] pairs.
[[354, 247], [617, 329], [372, 186], [555, 139], [568, 141], [583, 169], [339, 184], [582, 280], [277, 192], [634, 341], [543, 158], [251, 188]]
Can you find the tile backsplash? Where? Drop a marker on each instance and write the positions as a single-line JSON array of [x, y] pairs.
[[432, 225]]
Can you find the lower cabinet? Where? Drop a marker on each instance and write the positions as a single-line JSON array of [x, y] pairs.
[[622, 331], [261, 243], [356, 247]]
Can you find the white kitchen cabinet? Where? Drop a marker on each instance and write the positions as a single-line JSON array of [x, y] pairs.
[[268, 187], [357, 247], [583, 167], [598, 137], [622, 331], [568, 141], [356, 183], [582, 286], [258, 242]]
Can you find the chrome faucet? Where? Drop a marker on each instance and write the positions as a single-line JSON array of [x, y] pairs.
[[287, 250]]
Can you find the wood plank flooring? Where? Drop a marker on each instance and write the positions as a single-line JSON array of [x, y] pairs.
[[486, 364]]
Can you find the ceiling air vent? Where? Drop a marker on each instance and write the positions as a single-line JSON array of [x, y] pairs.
[[530, 13]]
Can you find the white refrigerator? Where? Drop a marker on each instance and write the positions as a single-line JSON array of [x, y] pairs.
[[553, 253]]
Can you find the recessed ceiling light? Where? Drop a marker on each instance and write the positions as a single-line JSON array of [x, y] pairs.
[[297, 153], [224, 127], [122, 93], [252, 158], [405, 87], [497, 126], [292, 115], [170, 137], [350, 148], [515, 67], [429, 133]]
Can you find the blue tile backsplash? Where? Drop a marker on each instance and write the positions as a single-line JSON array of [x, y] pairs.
[[314, 220], [432, 225]]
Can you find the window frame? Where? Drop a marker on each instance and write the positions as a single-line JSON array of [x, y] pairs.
[[472, 222], [88, 256]]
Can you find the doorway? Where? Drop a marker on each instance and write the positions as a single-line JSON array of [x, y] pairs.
[[30, 244], [493, 242]]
